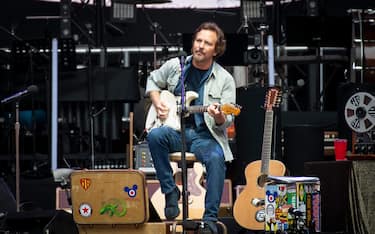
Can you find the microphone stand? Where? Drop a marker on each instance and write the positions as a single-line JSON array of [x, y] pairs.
[[155, 27], [29, 49], [17, 143], [185, 192]]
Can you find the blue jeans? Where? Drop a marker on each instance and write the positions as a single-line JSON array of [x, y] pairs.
[[164, 140]]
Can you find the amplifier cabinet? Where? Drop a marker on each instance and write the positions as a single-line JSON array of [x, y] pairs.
[[143, 159], [334, 182]]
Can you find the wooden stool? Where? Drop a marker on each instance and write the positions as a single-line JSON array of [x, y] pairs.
[[176, 157]]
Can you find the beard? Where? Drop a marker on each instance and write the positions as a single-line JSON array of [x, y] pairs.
[[201, 60], [199, 57]]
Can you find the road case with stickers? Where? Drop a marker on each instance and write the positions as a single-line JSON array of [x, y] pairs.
[[292, 205], [109, 197]]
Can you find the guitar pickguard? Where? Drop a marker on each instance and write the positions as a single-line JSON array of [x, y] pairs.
[[173, 119]]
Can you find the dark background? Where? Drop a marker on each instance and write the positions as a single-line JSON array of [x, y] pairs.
[[172, 21], [290, 23]]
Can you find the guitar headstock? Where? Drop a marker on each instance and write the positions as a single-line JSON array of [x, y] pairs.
[[231, 109], [273, 98]]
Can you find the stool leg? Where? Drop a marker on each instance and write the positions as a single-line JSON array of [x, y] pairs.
[[174, 227]]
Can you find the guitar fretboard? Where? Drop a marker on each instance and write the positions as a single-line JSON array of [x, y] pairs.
[[196, 109], [267, 142]]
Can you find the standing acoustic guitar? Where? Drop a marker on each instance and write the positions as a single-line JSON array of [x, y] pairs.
[[248, 208]]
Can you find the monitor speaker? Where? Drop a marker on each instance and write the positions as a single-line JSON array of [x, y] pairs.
[[334, 177]]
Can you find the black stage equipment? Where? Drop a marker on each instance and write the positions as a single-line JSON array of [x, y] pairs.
[[312, 7], [65, 21], [303, 137], [16, 97], [253, 10], [112, 84], [318, 31], [33, 55], [344, 92], [7, 200], [146, 1], [32, 222], [335, 209], [234, 53], [254, 56], [123, 12], [302, 143]]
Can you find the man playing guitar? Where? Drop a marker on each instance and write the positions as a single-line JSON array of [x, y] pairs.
[[205, 132]]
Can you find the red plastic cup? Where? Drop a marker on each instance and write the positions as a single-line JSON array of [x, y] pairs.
[[340, 146]]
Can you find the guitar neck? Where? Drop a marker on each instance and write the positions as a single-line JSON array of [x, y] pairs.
[[196, 109], [267, 142]]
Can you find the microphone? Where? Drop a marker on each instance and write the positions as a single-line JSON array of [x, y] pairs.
[[29, 90], [182, 55]]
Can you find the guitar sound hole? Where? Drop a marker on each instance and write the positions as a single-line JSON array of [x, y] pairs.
[[262, 180]]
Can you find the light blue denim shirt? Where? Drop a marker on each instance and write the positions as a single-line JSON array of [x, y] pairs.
[[219, 87]]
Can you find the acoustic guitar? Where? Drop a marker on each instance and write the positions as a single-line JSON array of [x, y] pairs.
[[248, 209], [196, 192], [173, 103]]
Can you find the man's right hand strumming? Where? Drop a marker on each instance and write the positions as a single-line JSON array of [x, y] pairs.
[[161, 108]]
